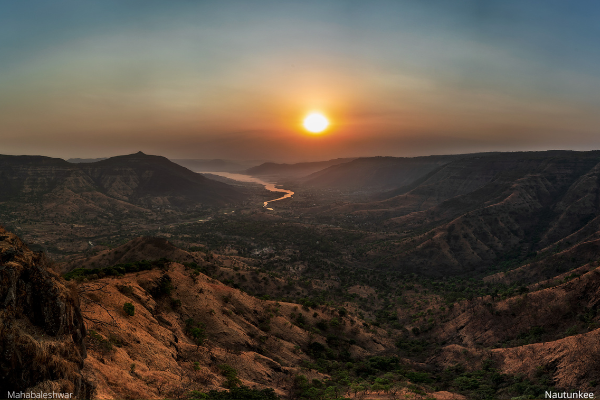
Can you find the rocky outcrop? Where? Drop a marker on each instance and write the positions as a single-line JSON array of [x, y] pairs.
[[41, 327]]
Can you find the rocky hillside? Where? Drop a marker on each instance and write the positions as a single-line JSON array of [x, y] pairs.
[[554, 329], [163, 330], [187, 330], [42, 331], [198, 328], [477, 212]]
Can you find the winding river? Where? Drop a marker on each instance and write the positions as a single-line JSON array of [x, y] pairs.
[[268, 185]]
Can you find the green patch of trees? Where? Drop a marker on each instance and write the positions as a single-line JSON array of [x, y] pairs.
[[235, 393], [115, 270]]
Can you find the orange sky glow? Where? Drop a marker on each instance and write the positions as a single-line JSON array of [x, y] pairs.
[[195, 80]]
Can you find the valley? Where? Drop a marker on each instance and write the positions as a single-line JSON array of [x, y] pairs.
[[299, 200], [450, 277]]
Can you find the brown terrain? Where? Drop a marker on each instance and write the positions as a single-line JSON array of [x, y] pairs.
[[255, 337], [475, 276], [42, 335], [152, 354]]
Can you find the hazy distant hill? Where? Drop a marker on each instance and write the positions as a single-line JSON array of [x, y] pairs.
[[293, 170], [216, 165], [85, 160], [376, 173], [136, 179]]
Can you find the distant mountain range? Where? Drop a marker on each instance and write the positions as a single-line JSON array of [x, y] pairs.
[[375, 173], [297, 170], [137, 179], [215, 165], [85, 160]]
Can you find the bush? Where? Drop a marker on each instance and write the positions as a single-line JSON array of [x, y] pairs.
[[163, 287], [175, 303], [104, 345], [196, 330], [231, 375], [322, 325], [129, 309]]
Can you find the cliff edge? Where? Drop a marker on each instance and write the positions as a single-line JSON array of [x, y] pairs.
[[41, 327]]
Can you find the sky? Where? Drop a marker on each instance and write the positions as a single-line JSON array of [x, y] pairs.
[[234, 79]]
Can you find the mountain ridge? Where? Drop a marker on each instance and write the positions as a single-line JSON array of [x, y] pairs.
[[138, 179]]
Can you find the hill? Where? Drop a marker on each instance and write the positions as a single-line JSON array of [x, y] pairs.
[[552, 331], [136, 179], [476, 213], [154, 180], [521, 342], [139, 249], [214, 165], [259, 340], [293, 170], [167, 329], [85, 160], [375, 173], [42, 335]]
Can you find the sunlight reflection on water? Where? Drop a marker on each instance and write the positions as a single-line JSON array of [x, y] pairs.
[[268, 185]]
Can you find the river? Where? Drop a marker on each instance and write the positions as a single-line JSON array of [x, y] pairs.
[[248, 178]]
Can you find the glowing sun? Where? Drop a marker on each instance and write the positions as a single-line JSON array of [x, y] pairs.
[[315, 122]]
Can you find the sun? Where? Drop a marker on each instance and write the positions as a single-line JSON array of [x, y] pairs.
[[315, 122]]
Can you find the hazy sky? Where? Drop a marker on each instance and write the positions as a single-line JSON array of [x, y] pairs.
[[233, 79]]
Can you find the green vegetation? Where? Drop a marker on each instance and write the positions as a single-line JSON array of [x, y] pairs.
[[196, 330], [129, 309], [104, 345], [230, 374], [115, 270], [490, 383], [235, 393], [162, 287], [389, 375]]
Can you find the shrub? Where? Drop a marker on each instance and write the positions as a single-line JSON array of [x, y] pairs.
[[163, 287], [322, 325], [265, 325], [175, 303], [129, 309], [231, 375], [572, 331], [104, 345], [196, 330]]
